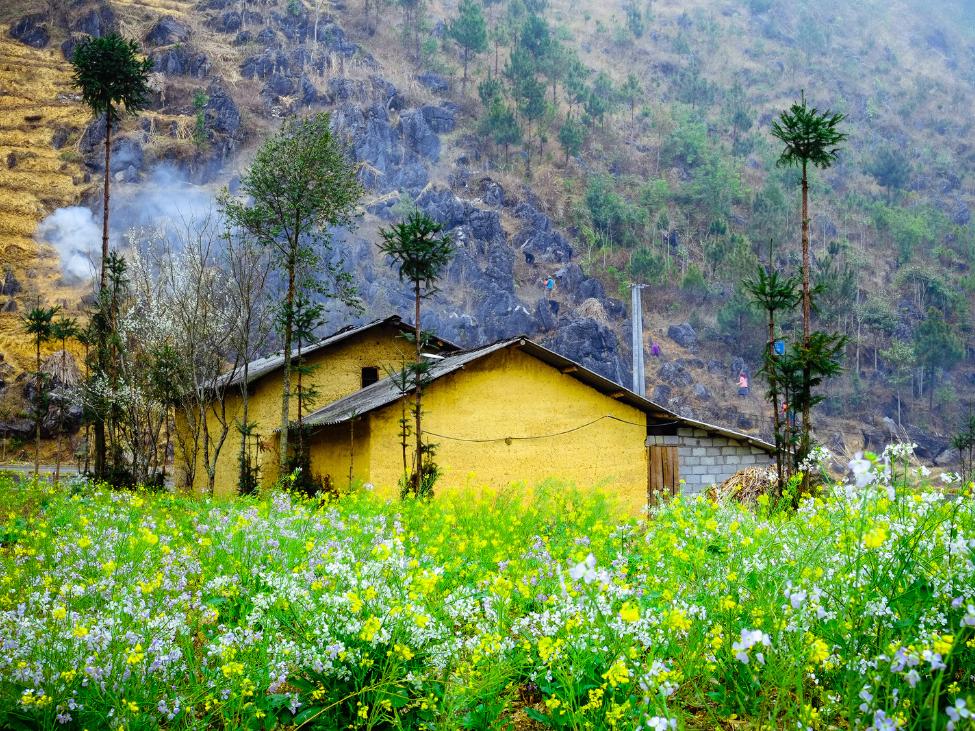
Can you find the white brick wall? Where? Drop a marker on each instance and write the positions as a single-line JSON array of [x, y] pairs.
[[706, 460]]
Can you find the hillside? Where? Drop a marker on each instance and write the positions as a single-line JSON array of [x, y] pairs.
[[647, 159]]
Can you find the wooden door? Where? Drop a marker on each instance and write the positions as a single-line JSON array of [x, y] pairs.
[[663, 480]]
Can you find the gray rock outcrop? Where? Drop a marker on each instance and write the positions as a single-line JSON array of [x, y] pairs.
[[675, 374], [30, 31], [166, 32], [683, 335]]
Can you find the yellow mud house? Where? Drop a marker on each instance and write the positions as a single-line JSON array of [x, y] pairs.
[[514, 412], [509, 412]]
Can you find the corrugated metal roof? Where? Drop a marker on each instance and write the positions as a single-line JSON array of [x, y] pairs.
[[262, 366], [385, 391]]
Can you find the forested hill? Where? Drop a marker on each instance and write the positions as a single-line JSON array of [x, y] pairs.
[[638, 131]]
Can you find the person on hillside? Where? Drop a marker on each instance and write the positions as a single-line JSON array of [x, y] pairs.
[[742, 384], [655, 350], [549, 284], [788, 414]]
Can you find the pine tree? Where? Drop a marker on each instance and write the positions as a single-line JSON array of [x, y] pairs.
[[938, 346], [890, 167], [114, 82], [738, 113], [489, 90], [536, 39], [630, 93], [530, 96], [810, 137], [470, 32], [422, 252], [773, 293], [503, 127], [38, 323], [571, 139]]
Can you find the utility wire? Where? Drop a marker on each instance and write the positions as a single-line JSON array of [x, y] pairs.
[[548, 436]]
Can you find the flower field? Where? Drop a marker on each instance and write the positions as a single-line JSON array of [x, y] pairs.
[[518, 609]]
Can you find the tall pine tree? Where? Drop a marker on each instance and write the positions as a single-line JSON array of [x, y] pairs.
[[470, 32]]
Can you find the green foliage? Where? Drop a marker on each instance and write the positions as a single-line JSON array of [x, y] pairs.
[[612, 216], [536, 39], [630, 92], [936, 343], [687, 141], [738, 314], [38, 323], [422, 251], [739, 115], [503, 127], [489, 90], [835, 283], [470, 32], [890, 167], [681, 45], [301, 184], [635, 22], [694, 89], [571, 138], [647, 267], [809, 136], [113, 80], [595, 107], [773, 293], [693, 281], [200, 125], [655, 195]]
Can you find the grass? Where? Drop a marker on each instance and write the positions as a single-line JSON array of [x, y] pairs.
[[538, 608]]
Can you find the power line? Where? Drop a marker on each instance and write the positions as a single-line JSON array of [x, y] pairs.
[[549, 436]]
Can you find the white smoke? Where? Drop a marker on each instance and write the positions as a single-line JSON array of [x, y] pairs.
[[163, 200], [76, 235]]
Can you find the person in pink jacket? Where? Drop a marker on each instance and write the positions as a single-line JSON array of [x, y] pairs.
[[742, 384]]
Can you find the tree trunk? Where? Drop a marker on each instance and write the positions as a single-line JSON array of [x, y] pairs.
[[806, 324], [108, 178], [528, 170], [463, 88], [100, 440], [242, 461], [418, 474], [57, 459], [40, 417], [286, 394]]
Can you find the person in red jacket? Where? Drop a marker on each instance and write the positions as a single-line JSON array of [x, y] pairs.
[[742, 384]]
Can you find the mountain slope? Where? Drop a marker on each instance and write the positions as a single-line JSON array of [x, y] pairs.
[[673, 182]]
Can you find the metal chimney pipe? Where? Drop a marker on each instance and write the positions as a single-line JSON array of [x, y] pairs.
[[639, 367]]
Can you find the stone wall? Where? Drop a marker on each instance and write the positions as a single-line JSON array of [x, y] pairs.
[[707, 458]]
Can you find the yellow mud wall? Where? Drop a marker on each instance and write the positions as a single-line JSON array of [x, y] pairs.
[[511, 394], [332, 458], [338, 374]]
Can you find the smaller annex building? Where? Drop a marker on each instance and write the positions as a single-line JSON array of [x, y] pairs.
[[340, 364], [513, 412]]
